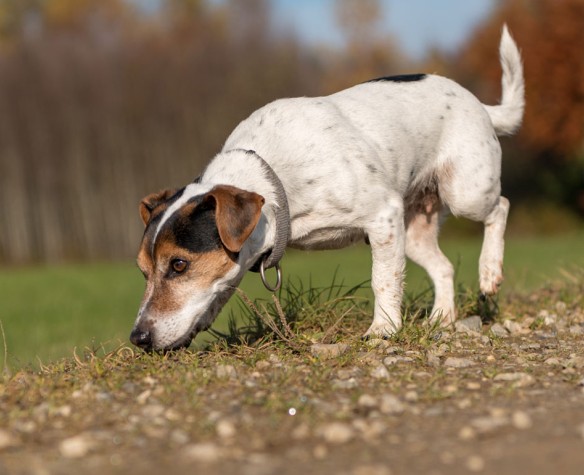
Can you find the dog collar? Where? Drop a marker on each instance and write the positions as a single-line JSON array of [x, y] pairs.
[[272, 257]]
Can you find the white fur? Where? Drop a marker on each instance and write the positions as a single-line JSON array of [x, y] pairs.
[[363, 161]]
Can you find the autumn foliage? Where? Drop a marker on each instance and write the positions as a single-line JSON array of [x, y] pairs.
[[103, 101]]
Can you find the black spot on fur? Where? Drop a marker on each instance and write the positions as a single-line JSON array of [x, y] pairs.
[[372, 168], [448, 106], [400, 78], [310, 182]]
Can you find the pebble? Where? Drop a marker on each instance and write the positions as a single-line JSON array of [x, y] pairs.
[[226, 371], [453, 362], [475, 463], [521, 420], [262, 365], [225, 429], [301, 432], [366, 401], [390, 404], [514, 328], [580, 430], [378, 469], [76, 447], [350, 383], [328, 351], [7, 439], [499, 330], [467, 433], [205, 452], [520, 380], [432, 359], [411, 396], [472, 325], [143, 396], [380, 372], [336, 433], [391, 360], [489, 423]]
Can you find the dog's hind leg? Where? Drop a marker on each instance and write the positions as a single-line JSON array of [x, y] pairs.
[[491, 259], [386, 234], [422, 248]]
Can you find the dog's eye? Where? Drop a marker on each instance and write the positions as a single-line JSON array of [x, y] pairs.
[[179, 265]]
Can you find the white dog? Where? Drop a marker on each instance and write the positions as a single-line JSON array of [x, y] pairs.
[[382, 161]]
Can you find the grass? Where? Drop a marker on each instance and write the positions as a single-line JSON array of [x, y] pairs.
[[48, 311]]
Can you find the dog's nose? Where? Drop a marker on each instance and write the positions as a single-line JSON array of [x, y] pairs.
[[141, 338]]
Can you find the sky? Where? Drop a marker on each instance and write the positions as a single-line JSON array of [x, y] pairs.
[[417, 25]]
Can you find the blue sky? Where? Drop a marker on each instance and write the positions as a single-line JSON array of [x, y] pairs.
[[416, 24]]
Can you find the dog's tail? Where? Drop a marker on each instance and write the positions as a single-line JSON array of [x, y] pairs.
[[507, 116]]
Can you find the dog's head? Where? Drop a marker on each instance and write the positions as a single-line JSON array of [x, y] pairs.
[[190, 258]]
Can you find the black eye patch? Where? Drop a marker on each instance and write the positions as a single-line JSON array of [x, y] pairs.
[[197, 232]]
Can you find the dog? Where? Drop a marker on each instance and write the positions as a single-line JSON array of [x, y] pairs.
[[383, 161]]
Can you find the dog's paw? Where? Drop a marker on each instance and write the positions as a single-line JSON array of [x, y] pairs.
[[491, 278], [383, 331], [444, 316]]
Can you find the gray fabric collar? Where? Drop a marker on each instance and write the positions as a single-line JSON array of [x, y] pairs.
[[282, 225]]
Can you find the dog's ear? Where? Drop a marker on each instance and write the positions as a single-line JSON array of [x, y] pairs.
[[237, 213], [153, 201]]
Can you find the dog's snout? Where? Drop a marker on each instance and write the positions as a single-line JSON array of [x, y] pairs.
[[141, 338]]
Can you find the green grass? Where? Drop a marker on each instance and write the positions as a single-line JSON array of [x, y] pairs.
[[47, 311]]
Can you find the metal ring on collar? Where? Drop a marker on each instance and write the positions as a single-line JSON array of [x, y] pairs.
[[276, 287]]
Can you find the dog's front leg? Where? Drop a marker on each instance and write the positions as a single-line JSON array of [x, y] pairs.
[[387, 238]]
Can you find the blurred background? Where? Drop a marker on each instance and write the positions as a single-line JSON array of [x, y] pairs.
[[105, 101]]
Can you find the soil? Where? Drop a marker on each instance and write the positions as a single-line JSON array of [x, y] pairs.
[[506, 399]]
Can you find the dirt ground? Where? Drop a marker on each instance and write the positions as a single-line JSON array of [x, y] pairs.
[[504, 397]]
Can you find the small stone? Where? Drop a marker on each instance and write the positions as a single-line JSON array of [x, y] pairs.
[[390, 404], [432, 359], [467, 433], [379, 343], [324, 351], [226, 371], [205, 452], [336, 433], [475, 463], [366, 401], [179, 437], [262, 365], [150, 411], [472, 324], [514, 328], [576, 330], [521, 420], [7, 439], [378, 469], [580, 430], [225, 429], [380, 372], [411, 396], [391, 360], [553, 361], [473, 386], [453, 362], [320, 452], [489, 423], [143, 396], [350, 383], [499, 331], [301, 432], [520, 380], [76, 447]]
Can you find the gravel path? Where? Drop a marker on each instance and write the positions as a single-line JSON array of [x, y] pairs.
[[503, 398]]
